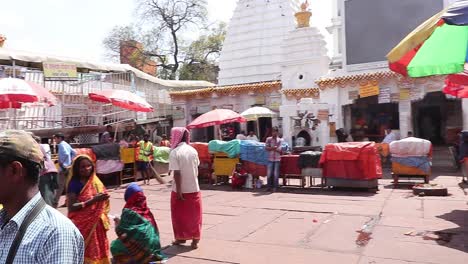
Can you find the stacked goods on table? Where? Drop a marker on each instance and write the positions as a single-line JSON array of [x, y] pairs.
[[290, 165], [230, 148], [411, 157], [309, 163], [108, 158], [290, 169], [206, 163], [351, 164], [225, 157], [254, 157]]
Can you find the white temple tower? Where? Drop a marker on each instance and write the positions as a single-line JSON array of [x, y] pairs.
[[252, 48], [304, 61]]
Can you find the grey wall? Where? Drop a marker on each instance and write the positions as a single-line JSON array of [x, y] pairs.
[[374, 27]]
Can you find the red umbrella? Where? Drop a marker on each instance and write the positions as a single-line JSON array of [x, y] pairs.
[[216, 117], [14, 92], [457, 85], [123, 99]]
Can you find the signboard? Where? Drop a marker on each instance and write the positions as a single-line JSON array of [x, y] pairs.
[[353, 95], [59, 71], [369, 89], [404, 94], [385, 95], [395, 97], [322, 114], [201, 109], [178, 113], [227, 106], [260, 100]]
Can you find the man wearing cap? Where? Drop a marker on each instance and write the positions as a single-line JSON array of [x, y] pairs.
[[49, 237], [65, 158]]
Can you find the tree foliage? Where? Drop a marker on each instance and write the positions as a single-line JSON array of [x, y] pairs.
[[202, 56], [163, 27]]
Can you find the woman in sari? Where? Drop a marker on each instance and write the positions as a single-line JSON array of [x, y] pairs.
[[137, 231], [88, 206]]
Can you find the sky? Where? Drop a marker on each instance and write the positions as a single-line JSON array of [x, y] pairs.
[[76, 28]]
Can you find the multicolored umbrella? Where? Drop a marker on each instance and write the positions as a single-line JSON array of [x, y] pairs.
[[14, 92], [123, 99], [438, 46], [216, 117]]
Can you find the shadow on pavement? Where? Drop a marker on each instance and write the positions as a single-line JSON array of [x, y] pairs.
[[297, 190], [456, 238]]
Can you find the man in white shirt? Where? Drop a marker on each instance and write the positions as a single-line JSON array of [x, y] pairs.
[[241, 136], [186, 206], [252, 136]]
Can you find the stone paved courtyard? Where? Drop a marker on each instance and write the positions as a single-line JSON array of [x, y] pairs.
[[320, 226]]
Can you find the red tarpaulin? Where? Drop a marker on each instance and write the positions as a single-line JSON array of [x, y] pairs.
[[290, 165], [216, 117], [353, 160]]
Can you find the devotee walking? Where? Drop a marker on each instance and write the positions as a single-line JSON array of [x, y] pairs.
[[186, 205], [49, 237], [88, 208], [65, 158]]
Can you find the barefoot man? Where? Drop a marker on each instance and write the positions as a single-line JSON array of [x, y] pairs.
[[186, 206]]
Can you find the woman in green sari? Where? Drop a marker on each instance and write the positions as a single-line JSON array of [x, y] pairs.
[[137, 231]]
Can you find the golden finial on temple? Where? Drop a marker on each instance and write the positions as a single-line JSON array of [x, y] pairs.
[[303, 16]]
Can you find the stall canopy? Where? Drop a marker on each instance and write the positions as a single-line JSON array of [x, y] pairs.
[[123, 99], [216, 117], [257, 112], [14, 92], [438, 46]]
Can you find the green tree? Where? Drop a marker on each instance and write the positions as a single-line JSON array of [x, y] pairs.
[[202, 56], [163, 25]]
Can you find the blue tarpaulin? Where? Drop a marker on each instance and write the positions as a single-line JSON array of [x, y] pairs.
[[253, 151], [422, 163]]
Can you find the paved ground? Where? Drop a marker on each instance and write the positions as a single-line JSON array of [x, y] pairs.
[[321, 226]]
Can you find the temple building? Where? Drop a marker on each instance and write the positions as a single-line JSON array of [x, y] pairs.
[[275, 57]]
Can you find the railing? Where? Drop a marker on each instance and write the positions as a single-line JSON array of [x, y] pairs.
[[75, 109]]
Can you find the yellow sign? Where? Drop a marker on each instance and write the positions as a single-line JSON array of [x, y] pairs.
[[59, 70], [369, 89], [404, 94]]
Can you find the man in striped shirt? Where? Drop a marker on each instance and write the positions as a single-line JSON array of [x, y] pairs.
[[50, 237]]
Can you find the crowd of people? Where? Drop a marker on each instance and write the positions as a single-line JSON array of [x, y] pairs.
[[28, 209]]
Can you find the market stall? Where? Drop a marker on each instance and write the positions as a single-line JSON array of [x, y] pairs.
[[353, 164], [411, 158]]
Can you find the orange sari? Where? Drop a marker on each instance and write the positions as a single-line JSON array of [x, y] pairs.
[[93, 223]]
